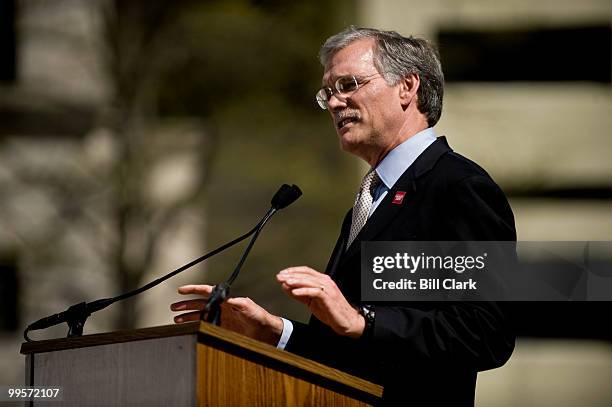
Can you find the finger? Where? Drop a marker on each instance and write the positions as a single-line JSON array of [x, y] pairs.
[[196, 304], [238, 303], [289, 291], [200, 289], [186, 317], [314, 275], [282, 278], [285, 287], [307, 292], [298, 269], [297, 282]]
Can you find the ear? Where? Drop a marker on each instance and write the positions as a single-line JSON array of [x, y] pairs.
[[408, 88]]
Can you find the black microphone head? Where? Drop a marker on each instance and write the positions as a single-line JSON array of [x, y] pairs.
[[285, 196]]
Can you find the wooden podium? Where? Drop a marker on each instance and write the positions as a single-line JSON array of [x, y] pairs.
[[186, 365]]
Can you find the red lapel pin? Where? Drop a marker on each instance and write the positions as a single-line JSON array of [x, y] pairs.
[[398, 198]]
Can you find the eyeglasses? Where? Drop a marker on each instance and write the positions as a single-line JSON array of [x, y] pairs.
[[344, 86]]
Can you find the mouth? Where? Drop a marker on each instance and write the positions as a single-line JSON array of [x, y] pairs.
[[341, 123]]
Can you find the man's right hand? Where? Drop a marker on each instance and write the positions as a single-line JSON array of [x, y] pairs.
[[238, 314]]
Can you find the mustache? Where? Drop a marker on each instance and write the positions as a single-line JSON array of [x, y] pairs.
[[347, 114]]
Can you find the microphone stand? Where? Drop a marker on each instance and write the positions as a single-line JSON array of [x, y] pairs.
[[76, 315]]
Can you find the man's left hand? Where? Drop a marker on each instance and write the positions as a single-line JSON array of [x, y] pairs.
[[324, 299]]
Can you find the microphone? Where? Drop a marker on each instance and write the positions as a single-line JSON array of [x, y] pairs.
[[58, 318], [76, 315], [285, 196]]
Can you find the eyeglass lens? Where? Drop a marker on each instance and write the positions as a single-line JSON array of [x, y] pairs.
[[344, 85]]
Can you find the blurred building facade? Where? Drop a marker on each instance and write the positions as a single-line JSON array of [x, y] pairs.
[[75, 208]]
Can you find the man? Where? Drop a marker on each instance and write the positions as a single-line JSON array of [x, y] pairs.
[[384, 94]]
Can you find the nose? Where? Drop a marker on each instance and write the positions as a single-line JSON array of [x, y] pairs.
[[336, 102]]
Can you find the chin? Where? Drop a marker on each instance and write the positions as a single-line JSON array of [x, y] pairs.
[[350, 145], [346, 143]]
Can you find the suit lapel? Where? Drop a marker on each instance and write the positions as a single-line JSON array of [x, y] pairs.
[[387, 210], [338, 252]]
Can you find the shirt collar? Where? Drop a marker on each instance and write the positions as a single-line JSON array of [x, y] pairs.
[[401, 157]]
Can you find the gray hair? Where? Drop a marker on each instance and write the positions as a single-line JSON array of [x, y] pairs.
[[396, 57]]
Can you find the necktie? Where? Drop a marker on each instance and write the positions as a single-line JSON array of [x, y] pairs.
[[363, 204]]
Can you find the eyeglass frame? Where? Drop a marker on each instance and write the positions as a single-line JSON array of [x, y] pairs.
[[329, 92]]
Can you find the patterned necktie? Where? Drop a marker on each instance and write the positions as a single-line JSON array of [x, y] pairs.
[[363, 204]]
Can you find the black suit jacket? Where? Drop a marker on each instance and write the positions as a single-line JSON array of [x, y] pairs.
[[423, 353]]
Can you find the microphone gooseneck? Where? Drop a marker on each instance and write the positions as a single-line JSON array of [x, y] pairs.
[[284, 197]]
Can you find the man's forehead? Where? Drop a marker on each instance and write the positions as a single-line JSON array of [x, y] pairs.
[[357, 58]]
